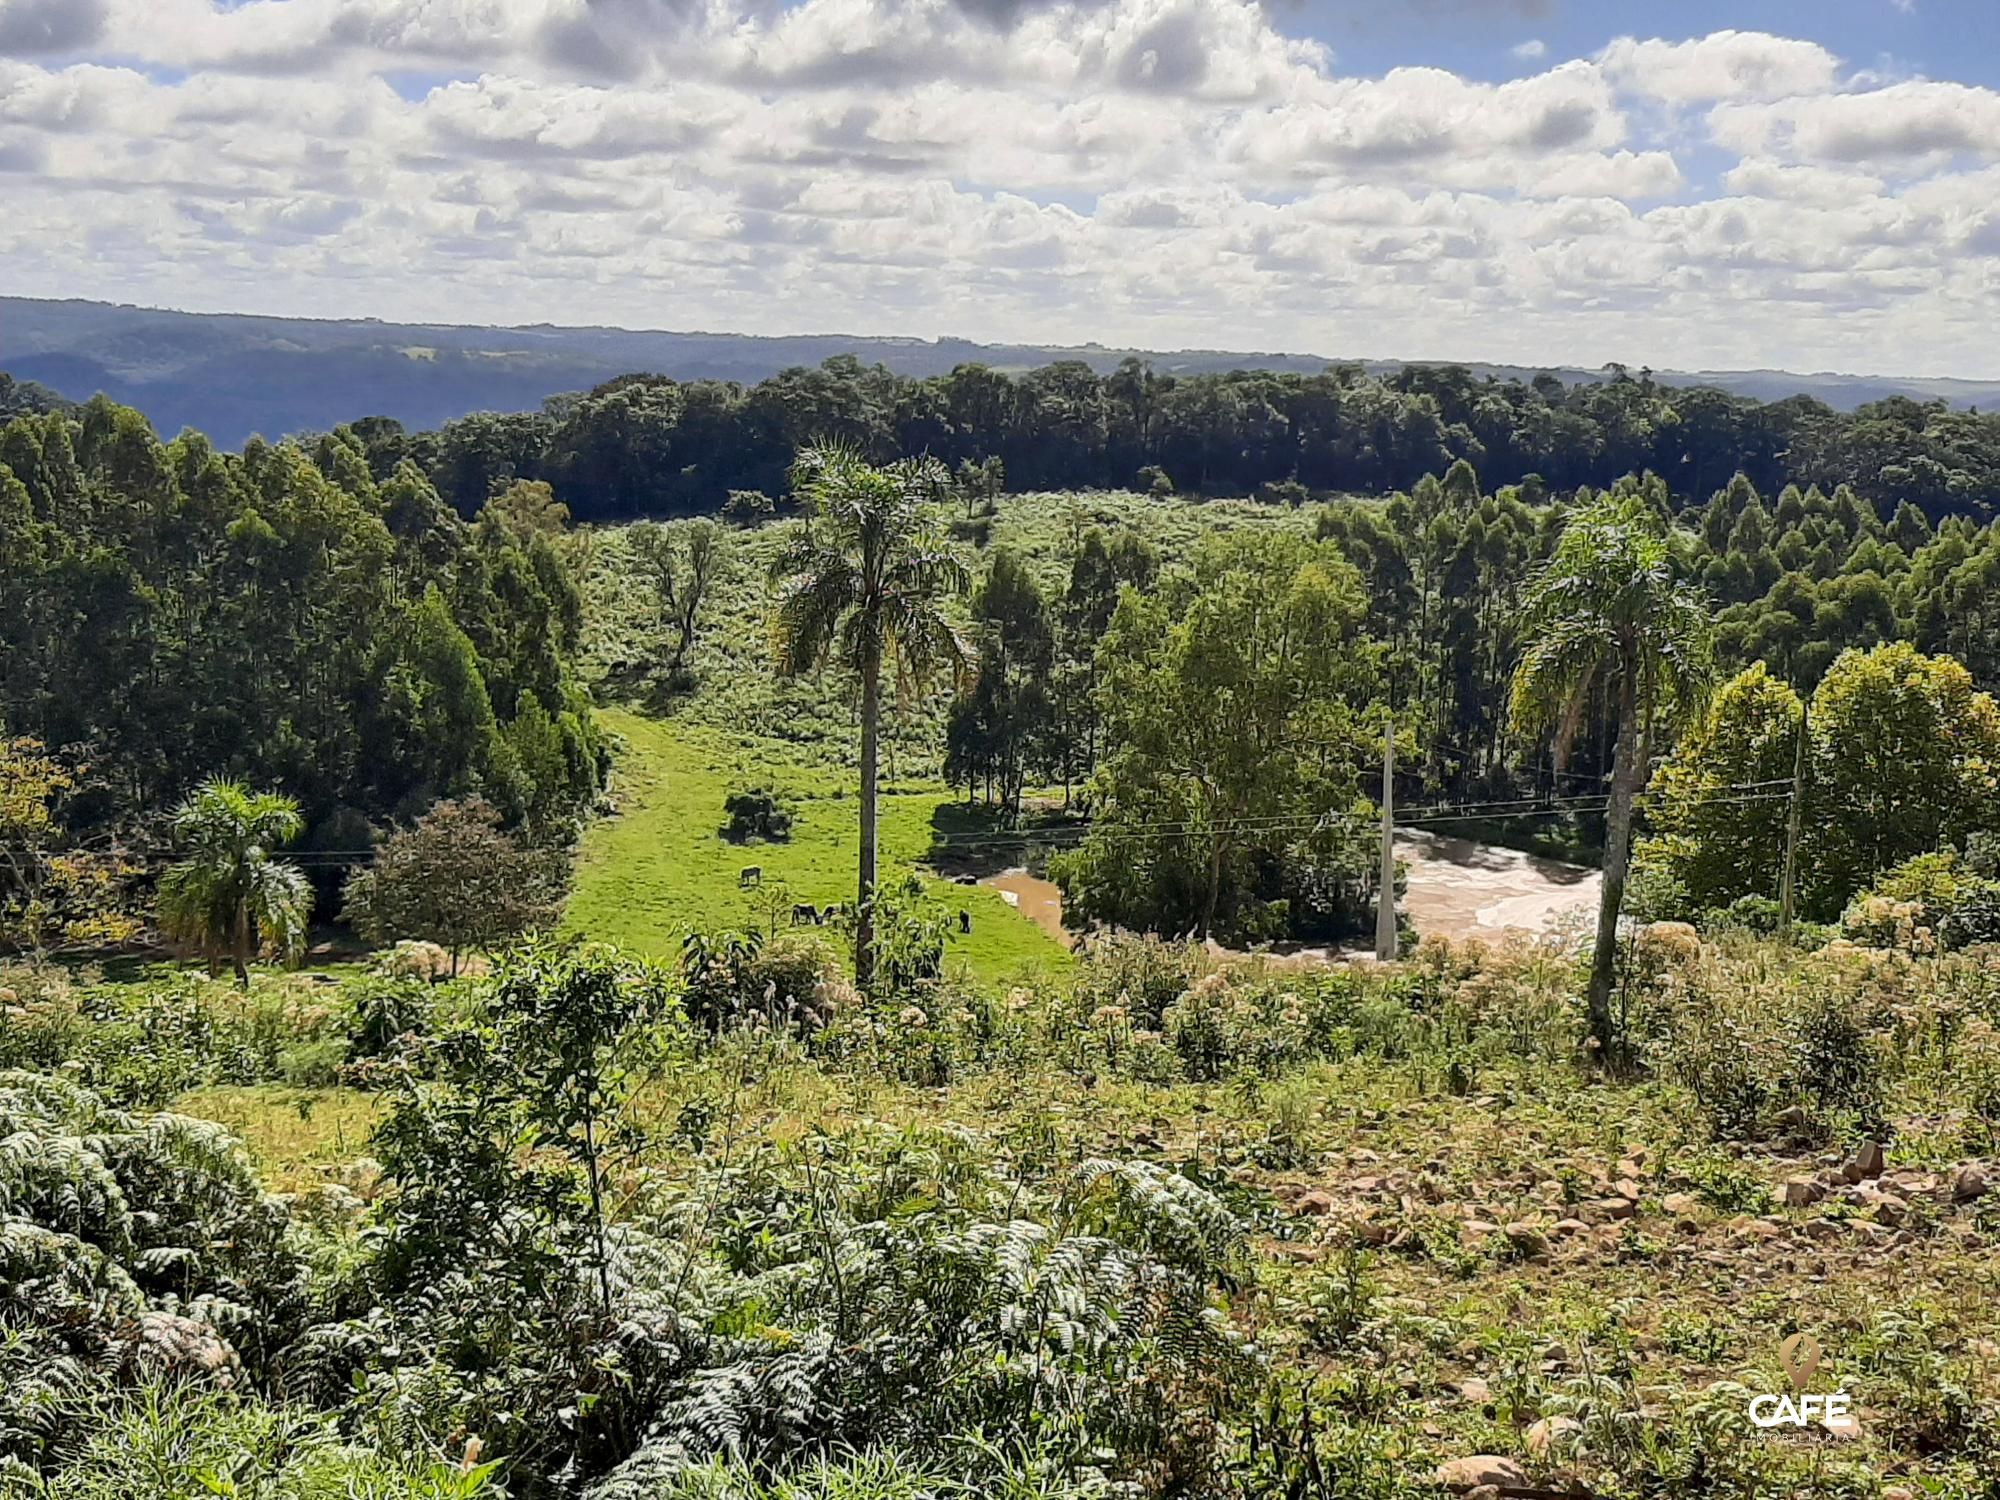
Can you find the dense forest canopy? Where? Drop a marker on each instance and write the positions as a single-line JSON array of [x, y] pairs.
[[650, 445], [173, 612]]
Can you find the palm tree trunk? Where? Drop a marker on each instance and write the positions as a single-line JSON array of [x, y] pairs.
[[864, 923], [1214, 889], [1626, 767]]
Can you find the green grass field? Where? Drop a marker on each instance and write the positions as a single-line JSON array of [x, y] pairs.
[[659, 868]]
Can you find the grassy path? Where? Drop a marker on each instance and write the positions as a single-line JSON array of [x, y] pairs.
[[659, 868]]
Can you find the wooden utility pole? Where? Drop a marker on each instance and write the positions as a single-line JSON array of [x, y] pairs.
[[1787, 885], [1385, 906]]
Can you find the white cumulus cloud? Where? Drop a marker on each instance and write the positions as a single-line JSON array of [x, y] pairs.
[[1156, 172]]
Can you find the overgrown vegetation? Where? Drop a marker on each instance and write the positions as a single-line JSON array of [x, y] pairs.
[[1175, 1226]]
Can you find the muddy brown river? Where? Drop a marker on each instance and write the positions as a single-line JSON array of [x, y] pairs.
[[1457, 889]]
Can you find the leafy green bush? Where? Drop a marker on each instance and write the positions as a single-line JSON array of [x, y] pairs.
[[1798, 1050], [756, 814], [132, 1248], [1143, 975], [792, 983]]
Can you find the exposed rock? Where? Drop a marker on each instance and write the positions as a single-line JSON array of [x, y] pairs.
[[1481, 1468], [1802, 1192], [1887, 1207], [1527, 1241], [1626, 1188], [1867, 1161], [1680, 1203], [1318, 1201], [1550, 1434], [1476, 1391], [1970, 1183], [1563, 1229]]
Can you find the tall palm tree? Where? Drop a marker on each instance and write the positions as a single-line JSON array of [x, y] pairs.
[[229, 896], [1608, 611], [864, 582]]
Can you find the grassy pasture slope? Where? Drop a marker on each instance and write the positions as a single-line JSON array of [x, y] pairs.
[[659, 868]]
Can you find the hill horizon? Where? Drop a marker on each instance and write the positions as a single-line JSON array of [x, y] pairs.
[[234, 375]]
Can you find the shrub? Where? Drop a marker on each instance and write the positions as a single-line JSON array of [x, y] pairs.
[[1976, 918], [1837, 1062], [1144, 975], [1748, 1046], [754, 815], [142, 1045], [456, 880], [731, 979], [748, 507], [1284, 492], [1222, 1024], [1758, 914], [1937, 900], [132, 1246]]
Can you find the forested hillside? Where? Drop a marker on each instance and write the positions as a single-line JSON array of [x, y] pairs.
[[174, 612], [237, 375], [648, 445]]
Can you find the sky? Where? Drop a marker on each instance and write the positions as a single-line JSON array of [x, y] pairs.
[[1686, 185]]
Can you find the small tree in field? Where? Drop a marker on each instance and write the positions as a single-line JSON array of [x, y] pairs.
[[457, 879], [51, 897], [229, 896]]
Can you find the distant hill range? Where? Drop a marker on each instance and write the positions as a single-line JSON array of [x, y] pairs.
[[233, 375]]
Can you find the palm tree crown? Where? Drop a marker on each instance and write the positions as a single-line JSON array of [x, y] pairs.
[[865, 577], [865, 581], [1608, 610], [229, 896]]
